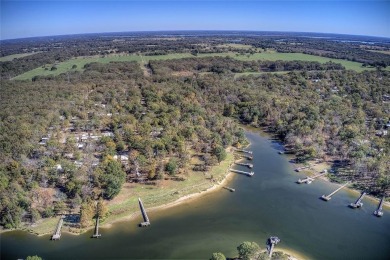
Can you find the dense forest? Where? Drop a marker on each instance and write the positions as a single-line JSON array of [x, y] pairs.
[[71, 139]]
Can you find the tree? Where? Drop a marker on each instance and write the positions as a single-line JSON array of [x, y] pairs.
[[34, 257], [87, 212], [248, 250], [101, 209], [218, 256], [112, 178], [171, 166], [220, 153]]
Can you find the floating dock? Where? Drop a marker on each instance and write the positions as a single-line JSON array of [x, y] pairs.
[[229, 189], [309, 180], [144, 215], [96, 234], [379, 211], [326, 198], [242, 172], [244, 151], [57, 233], [249, 165], [358, 203], [272, 241]]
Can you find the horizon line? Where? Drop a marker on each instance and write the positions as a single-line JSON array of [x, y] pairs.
[[191, 30]]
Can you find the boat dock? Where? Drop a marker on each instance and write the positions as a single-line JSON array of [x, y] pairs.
[[249, 157], [326, 198], [96, 234], [249, 165], [229, 189], [144, 215], [302, 168], [272, 241], [379, 211], [244, 151], [358, 203], [242, 172], [57, 233], [309, 180]]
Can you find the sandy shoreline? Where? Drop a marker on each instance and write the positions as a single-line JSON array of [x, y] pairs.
[[187, 198], [194, 196]]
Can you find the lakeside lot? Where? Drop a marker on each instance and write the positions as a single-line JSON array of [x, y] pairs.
[[80, 62], [166, 193]]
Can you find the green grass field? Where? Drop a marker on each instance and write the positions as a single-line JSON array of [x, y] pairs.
[[235, 45], [65, 66], [16, 56]]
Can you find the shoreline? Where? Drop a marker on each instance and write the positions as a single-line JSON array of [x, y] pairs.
[[309, 172], [227, 177], [190, 197]]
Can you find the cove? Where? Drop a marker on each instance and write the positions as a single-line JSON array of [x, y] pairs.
[[269, 203]]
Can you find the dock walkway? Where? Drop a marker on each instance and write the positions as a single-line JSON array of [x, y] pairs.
[[229, 189], [244, 151], [309, 180], [243, 172], [302, 168], [144, 215], [326, 198], [96, 234], [379, 211], [249, 165], [358, 203], [249, 157], [57, 233], [272, 241]]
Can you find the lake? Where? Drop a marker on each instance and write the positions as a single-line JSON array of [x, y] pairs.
[[268, 204]]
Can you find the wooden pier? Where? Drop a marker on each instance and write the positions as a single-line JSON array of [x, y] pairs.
[[57, 233], [242, 172], [326, 198], [249, 165], [309, 180], [244, 151], [272, 241], [249, 157], [96, 234], [144, 215], [358, 203], [379, 211], [302, 168], [229, 189]]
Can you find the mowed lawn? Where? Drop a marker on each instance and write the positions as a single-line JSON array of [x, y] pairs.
[[66, 66]]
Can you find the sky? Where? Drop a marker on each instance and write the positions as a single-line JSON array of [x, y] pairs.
[[20, 19]]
